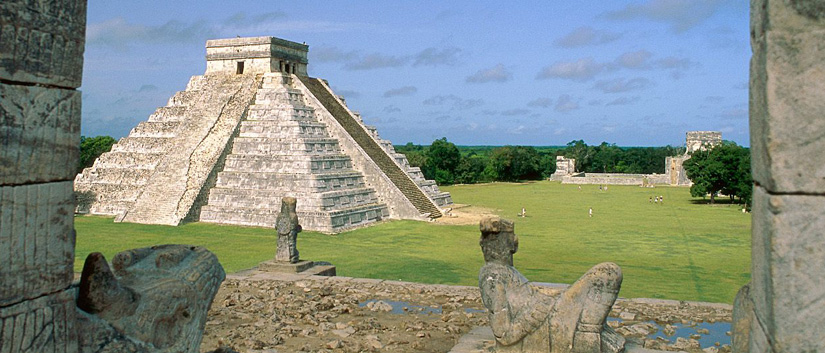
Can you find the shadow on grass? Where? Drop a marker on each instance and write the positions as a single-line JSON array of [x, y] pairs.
[[718, 202]]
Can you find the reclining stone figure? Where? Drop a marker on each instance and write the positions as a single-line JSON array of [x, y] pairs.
[[155, 301], [526, 320]]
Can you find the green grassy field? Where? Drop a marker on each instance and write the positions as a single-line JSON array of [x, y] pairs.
[[679, 250]]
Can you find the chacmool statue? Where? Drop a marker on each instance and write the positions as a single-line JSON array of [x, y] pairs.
[[155, 301], [526, 320]]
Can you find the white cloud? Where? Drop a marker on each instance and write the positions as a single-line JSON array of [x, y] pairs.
[[434, 57], [623, 101], [565, 103], [634, 60], [497, 73], [400, 91], [454, 101], [584, 36], [542, 102], [619, 85], [376, 61], [681, 15], [515, 112], [579, 70], [331, 54]]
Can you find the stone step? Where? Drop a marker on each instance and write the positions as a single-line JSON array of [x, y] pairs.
[[416, 196], [127, 160], [275, 181], [125, 176], [163, 129], [168, 114], [141, 144], [261, 163], [262, 112], [271, 129], [323, 221], [264, 145], [308, 201]]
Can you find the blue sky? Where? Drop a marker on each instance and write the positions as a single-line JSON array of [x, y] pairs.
[[634, 73]]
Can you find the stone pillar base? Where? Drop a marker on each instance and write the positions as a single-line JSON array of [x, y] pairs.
[[304, 267]]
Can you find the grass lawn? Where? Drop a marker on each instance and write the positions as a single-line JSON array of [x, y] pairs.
[[679, 250]]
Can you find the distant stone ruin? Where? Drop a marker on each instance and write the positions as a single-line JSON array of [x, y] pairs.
[[674, 172], [252, 130], [564, 167], [695, 141]]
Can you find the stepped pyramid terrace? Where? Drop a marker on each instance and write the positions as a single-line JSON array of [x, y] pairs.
[[252, 130]]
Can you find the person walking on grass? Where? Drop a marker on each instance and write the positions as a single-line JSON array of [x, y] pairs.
[[590, 212]]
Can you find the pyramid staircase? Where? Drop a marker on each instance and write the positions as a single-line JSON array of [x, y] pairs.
[[156, 173], [375, 152], [282, 149]]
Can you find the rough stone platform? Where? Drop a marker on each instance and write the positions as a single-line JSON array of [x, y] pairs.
[[303, 267]]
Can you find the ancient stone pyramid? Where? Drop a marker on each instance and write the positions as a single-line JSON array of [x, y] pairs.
[[253, 129]]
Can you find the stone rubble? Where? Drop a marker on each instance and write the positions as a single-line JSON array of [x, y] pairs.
[[267, 312]]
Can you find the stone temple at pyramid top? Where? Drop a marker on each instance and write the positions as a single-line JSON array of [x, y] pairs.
[[256, 55], [253, 129]]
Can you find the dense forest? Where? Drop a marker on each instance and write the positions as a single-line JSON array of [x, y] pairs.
[[447, 163]]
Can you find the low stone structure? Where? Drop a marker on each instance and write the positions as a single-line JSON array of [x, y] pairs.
[[526, 320], [674, 172], [565, 167], [615, 179], [252, 130]]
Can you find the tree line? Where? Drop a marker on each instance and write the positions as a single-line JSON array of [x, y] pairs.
[[447, 163]]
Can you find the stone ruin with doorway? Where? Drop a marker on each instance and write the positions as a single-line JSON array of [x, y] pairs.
[[252, 130]]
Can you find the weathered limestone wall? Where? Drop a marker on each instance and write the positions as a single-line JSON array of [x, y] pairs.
[[697, 140], [783, 309], [258, 54], [615, 179], [41, 62]]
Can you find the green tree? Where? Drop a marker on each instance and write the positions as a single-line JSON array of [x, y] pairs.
[[442, 160], [91, 148], [724, 168], [516, 163]]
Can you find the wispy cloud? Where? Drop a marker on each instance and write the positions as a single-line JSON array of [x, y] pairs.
[[400, 91], [437, 56], [579, 70], [331, 54], [376, 61], [565, 104], [680, 15], [453, 101], [623, 100], [542, 102], [497, 73], [391, 109], [634, 60], [515, 112], [584, 36], [118, 33], [241, 19], [619, 85]]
